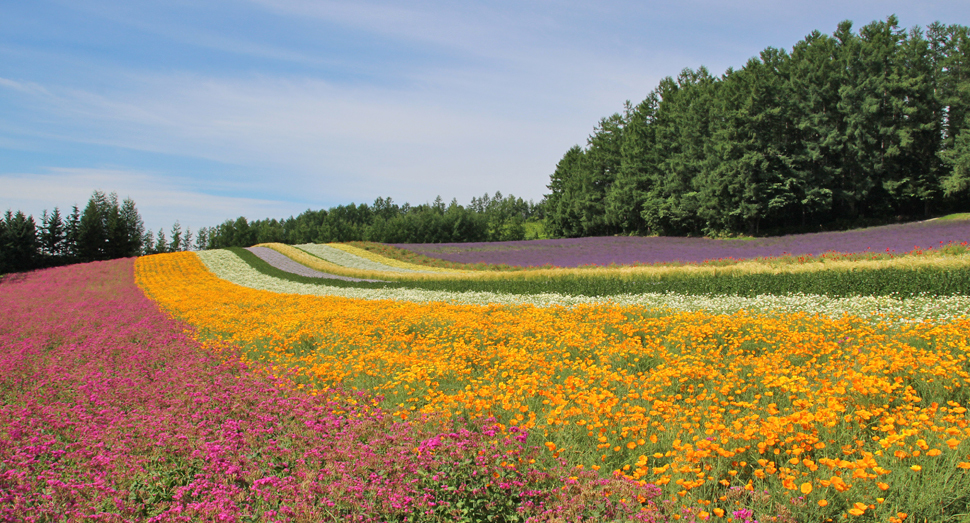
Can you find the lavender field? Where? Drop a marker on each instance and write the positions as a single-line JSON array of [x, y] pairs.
[[626, 250]]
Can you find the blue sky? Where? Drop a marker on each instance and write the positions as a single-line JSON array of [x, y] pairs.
[[206, 111]]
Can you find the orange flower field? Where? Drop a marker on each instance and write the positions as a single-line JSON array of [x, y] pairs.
[[795, 417]]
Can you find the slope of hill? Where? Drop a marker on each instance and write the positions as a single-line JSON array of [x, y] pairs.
[[629, 250]]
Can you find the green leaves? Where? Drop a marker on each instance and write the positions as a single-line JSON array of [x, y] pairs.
[[845, 129]]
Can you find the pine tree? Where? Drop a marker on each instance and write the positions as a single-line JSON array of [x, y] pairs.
[[148, 243], [18, 242], [957, 183], [72, 228], [815, 76], [133, 228], [628, 195], [52, 235], [565, 183], [187, 240], [92, 235], [175, 245], [4, 262], [115, 229], [202, 239], [161, 244]]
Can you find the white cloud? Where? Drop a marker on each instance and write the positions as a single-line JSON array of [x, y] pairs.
[[453, 98], [322, 137], [23, 87]]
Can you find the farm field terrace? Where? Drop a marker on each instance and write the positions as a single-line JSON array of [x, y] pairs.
[[753, 413], [628, 250]]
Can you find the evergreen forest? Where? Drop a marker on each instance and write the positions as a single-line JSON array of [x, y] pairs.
[[106, 229], [486, 218], [844, 130]]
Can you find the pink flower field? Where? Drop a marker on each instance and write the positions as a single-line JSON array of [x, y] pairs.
[[110, 410]]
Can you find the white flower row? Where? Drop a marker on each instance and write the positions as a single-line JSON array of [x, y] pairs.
[[346, 259], [230, 267], [373, 256]]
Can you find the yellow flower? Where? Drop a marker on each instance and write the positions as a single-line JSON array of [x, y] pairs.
[[580, 374]]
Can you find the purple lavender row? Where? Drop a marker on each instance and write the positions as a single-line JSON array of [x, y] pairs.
[[283, 263], [110, 411], [627, 250]]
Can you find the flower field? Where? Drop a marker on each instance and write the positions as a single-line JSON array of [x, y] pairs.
[[574, 252], [226, 386], [778, 408], [113, 411]]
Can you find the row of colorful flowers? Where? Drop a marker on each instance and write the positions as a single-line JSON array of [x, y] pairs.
[[230, 267], [334, 254], [629, 250], [360, 263], [782, 415], [112, 411]]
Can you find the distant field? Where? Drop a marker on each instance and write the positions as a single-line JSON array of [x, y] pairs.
[[628, 250]]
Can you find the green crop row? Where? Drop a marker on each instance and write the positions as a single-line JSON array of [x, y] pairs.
[[898, 281], [264, 267]]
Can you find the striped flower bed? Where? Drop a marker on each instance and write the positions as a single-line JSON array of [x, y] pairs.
[[230, 267], [281, 262], [765, 413], [346, 259]]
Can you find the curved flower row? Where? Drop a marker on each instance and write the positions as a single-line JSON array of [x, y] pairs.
[[110, 411], [828, 416], [230, 267], [358, 263], [284, 263], [340, 257], [367, 255]]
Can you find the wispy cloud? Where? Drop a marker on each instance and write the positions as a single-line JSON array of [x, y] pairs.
[[325, 137], [29, 88], [326, 102]]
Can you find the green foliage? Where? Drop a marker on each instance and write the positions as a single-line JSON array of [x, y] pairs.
[[495, 218], [264, 267], [957, 183], [18, 242], [955, 216], [836, 283], [849, 128], [52, 234], [888, 281], [105, 230]]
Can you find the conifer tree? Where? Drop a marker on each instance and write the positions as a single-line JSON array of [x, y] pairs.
[[52, 235]]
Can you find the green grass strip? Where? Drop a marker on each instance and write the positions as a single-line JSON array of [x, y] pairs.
[[264, 267], [892, 281]]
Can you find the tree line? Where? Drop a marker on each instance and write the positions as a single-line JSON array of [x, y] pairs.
[[105, 230], [108, 229], [486, 218], [844, 129]]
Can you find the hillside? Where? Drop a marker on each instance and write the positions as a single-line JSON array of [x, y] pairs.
[[629, 250]]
